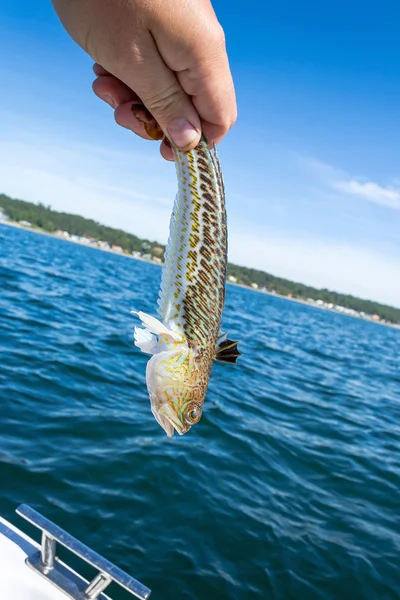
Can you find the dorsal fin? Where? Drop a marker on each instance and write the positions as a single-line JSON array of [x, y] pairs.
[[227, 351]]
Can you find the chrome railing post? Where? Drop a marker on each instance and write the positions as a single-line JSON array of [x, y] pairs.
[[97, 585], [48, 551]]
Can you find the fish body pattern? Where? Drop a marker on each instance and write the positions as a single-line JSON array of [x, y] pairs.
[[187, 338]]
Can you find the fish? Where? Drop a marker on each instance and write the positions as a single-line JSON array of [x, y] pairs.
[[186, 339]]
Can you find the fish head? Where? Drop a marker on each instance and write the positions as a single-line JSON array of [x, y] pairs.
[[176, 389]]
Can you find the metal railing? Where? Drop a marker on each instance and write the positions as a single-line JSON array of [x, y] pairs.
[[45, 562]]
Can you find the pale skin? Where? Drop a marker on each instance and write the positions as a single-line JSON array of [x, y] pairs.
[[169, 55]]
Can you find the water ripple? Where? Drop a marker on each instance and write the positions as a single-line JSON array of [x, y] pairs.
[[289, 487]]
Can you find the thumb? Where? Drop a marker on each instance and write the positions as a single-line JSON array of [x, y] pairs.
[[161, 93]]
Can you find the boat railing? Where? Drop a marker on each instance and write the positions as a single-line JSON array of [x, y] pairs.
[[46, 563]]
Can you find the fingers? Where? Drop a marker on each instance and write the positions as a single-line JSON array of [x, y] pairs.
[[198, 57], [166, 152], [120, 98], [160, 91], [112, 90], [99, 70], [162, 94]]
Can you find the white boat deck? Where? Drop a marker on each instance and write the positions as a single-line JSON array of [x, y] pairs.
[[17, 580]]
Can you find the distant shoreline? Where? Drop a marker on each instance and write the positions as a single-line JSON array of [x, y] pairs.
[[64, 239], [312, 305], [241, 285]]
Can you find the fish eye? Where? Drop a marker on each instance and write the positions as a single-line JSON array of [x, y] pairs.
[[193, 414]]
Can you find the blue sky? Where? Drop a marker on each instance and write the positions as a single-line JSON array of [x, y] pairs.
[[311, 168]]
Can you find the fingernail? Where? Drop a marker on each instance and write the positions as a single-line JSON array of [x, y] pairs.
[[110, 100], [182, 133]]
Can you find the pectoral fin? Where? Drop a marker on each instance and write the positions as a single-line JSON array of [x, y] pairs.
[[227, 351], [146, 341], [155, 326]]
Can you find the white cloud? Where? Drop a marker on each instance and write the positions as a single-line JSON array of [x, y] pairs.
[[370, 191], [339, 180]]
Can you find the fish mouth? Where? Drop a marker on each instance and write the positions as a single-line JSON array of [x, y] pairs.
[[169, 421]]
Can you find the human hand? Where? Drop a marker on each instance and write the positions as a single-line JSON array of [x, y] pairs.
[[166, 54]]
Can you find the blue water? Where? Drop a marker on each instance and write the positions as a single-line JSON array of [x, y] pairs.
[[288, 488]]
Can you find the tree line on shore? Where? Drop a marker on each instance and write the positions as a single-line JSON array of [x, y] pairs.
[[47, 219]]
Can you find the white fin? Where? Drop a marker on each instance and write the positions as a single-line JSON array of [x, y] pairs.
[[146, 341], [169, 269], [153, 325]]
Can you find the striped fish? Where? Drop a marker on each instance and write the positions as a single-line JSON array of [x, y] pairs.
[[186, 339]]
